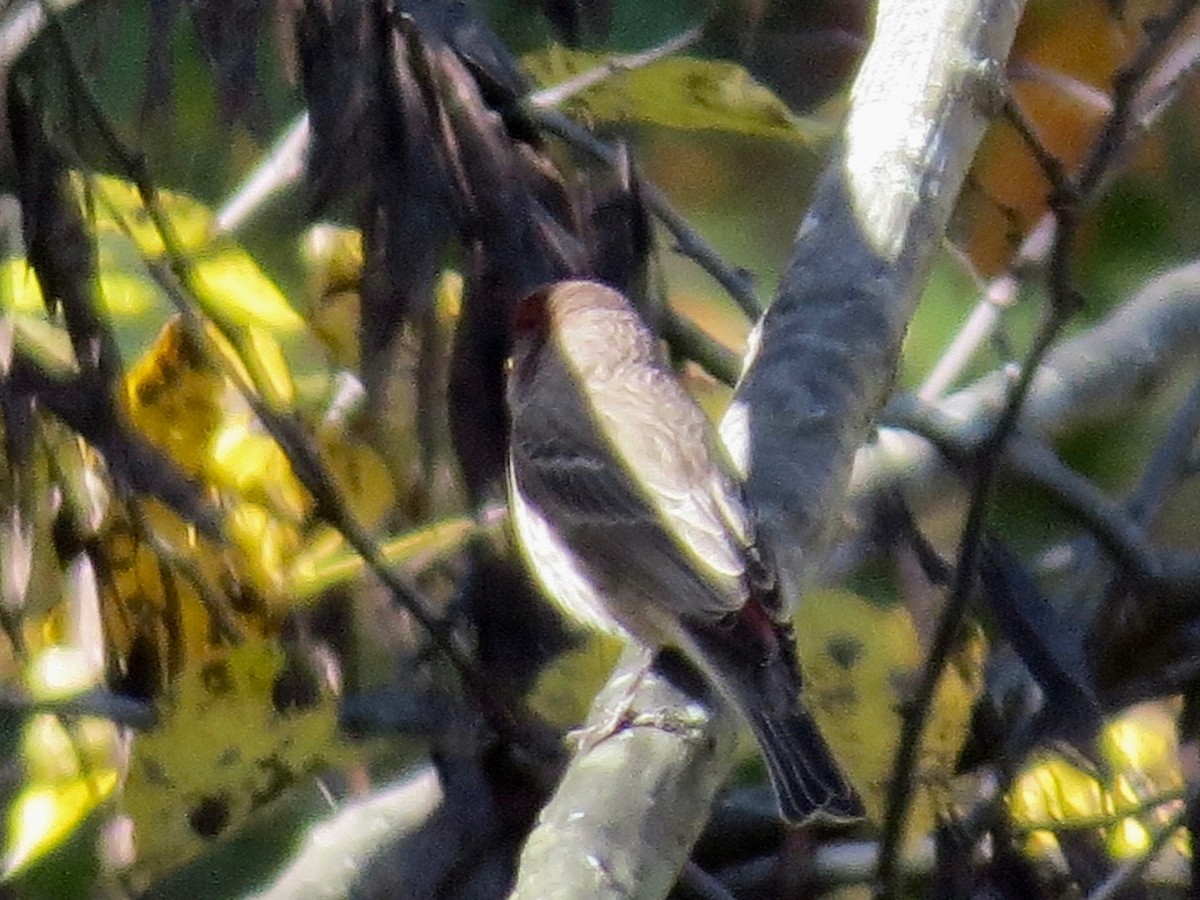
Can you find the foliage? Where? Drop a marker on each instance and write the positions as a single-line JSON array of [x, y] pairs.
[[250, 529]]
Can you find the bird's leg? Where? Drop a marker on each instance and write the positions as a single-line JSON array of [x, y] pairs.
[[620, 713]]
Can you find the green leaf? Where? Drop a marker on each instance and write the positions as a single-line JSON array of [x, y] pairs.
[[677, 92]]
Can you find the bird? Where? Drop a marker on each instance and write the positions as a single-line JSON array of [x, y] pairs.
[[632, 517]]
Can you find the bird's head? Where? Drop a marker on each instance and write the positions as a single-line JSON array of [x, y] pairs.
[[588, 322]]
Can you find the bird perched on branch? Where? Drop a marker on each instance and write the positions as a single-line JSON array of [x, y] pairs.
[[631, 517]]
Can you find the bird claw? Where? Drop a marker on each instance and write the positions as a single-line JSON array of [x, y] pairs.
[[672, 719], [684, 721]]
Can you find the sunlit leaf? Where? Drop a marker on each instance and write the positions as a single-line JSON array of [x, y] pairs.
[[47, 344], [1130, 838], [59, 672], [859, 660], [232, 288], [677, 92], [44, 815], [174, 397], [1144, 774], [266, 544], [1053, 791], [325, 562], [222, 752], [248, 462]]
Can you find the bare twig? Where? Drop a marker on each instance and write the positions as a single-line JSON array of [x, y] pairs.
[[737, 282], [1064, 300], [99, 703], [547, 98], [998, 296], [1119, 532], [946, 635], [1114, 884], [282, 168]]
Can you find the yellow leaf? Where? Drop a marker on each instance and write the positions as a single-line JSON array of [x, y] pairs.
[[44, 815], [174, 397], [221, 752], [325, 562], [248, 462], [858, 660], [59, 672], [48, 751], [360, 475], [19, 288], [1129, 839], [232, 288], [267, 544], [1052, 791], [268, 367], [191, 220], [567, 687]]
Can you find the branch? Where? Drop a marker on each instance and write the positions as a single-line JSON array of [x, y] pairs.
[[629, 808], [1094, 376], [359, 831], [828, 347]]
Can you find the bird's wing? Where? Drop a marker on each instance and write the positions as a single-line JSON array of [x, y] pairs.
[[564, 465]]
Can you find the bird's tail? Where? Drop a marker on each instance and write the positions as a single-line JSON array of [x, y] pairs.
[[755, 667], [807, 780]]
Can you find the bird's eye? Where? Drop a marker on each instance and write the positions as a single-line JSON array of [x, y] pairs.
[[508, 366]]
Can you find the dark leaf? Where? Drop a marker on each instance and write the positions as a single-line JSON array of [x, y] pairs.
[[87, 405], [338, 45], [578, 21], [158, 83], [57, 243], [228, 33]]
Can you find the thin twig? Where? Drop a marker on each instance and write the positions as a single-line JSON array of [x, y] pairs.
[[692, 342], [736, 281], [282, 167], [1107, 820], [1113, 885], [547, 98], [1162, 85], [916, 712], [97, 702], [1116, 529], [1127, 87], [998, 296]]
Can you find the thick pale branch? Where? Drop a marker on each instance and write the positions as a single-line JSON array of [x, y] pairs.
[[826, 351], [625, 815], [1094, 375]]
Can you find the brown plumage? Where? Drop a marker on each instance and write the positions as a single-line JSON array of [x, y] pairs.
[[629, 513]]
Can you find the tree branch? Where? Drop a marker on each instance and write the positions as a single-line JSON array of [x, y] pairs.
[[1096, 375]]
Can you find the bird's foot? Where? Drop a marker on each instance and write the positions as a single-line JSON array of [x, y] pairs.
[[684, 720], [619, 715]]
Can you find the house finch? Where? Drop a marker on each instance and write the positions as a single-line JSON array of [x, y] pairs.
[[631, 517]]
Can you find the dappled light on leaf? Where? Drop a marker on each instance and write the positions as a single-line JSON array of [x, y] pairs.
[[677, 92], [70, 765], [1052, 793], [195, 779], [859, 659]]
